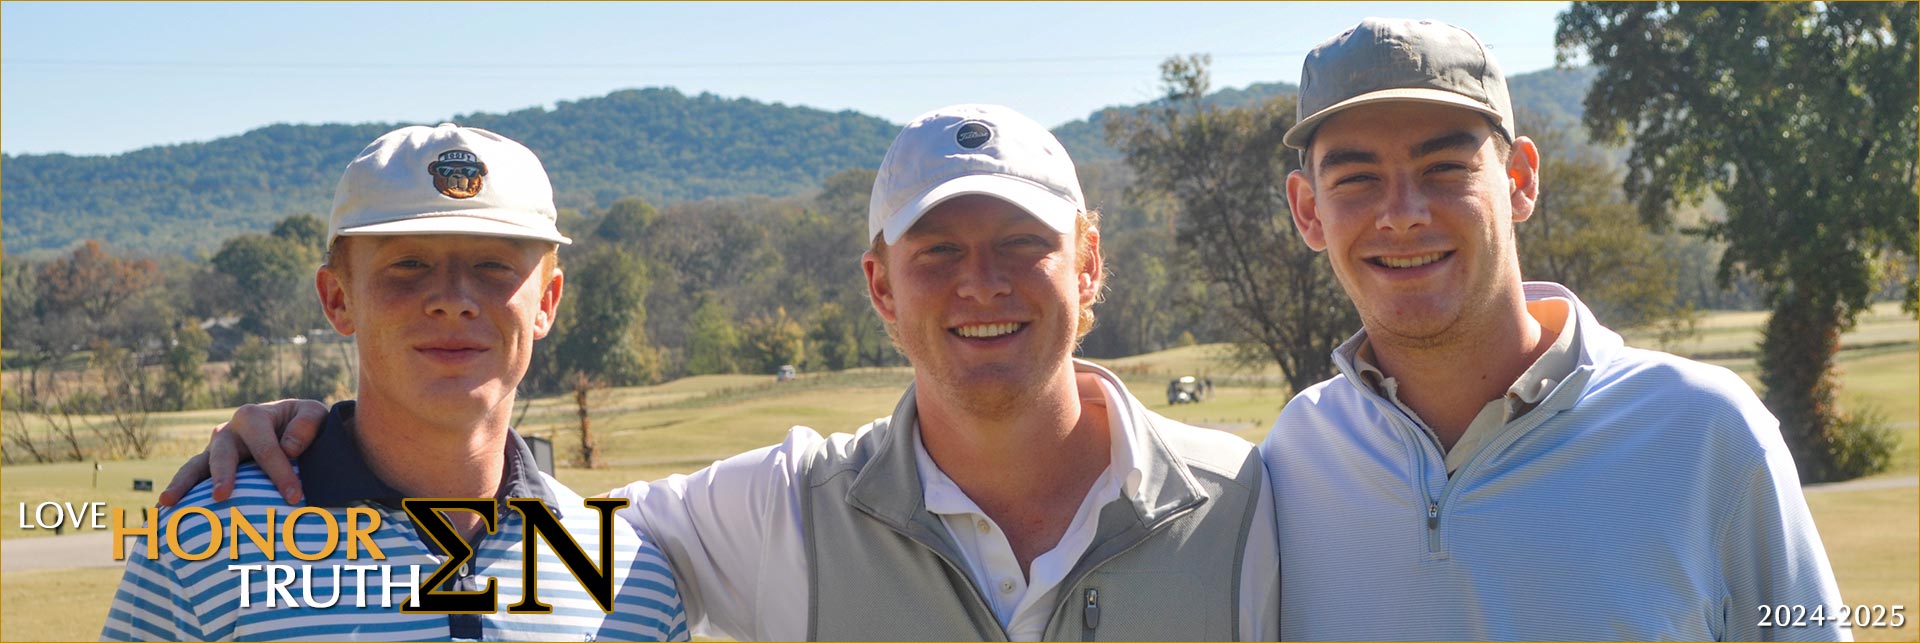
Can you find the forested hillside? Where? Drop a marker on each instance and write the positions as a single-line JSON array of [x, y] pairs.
[[657, 143]]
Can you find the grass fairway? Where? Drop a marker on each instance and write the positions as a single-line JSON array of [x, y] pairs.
[[1871, 542], [56, 604]]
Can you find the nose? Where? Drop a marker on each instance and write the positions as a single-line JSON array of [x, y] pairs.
[[452, 294], [982, 278], [1405, 208]]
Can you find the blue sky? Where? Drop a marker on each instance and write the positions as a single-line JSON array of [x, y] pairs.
[[104, 78]]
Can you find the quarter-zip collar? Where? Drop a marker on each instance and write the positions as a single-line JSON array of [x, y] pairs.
[[889, 487]]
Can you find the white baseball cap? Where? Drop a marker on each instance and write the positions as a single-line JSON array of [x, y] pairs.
[[445, 180], [973, 149]]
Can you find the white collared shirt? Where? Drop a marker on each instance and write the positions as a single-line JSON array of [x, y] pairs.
[[1022, 603], [739, 524]]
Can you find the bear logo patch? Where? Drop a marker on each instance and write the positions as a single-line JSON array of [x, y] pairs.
[[458, 174]]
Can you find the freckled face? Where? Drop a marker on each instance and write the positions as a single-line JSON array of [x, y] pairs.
[[444, 324]]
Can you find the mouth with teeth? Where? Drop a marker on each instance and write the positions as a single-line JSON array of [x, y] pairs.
[[1409, 262], [987, 331]]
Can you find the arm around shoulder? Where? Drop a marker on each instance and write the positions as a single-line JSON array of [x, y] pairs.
[[732, 534]]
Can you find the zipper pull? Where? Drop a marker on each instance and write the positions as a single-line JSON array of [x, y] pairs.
[[1091, 615], [1433, 515]]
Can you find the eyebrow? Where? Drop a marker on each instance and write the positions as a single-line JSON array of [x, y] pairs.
[[1338, 157], [1458, 139]]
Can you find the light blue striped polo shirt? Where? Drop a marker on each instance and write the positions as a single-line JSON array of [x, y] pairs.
[[336, 599]]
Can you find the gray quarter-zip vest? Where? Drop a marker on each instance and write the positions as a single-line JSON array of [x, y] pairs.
[[1164, 566]]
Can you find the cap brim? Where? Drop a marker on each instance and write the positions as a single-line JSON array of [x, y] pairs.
[[1049, 207], [454, 224], [1301, 132]]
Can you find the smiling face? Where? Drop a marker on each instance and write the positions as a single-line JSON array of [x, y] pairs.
[[444, 324], [1415, 210], [985, 299]]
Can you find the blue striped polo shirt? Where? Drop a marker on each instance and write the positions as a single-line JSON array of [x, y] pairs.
[[338, 599]]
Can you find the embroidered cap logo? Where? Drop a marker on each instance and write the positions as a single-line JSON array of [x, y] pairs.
[[458, 174], [973, 134]]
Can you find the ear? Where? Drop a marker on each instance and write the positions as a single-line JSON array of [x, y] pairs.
[[1523, 178], [549, 304], [1306, 217], [878, 289], [1090, 267], [334, 300]]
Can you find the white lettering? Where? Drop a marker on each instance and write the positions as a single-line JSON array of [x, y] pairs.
[[246, 582], [65, 514], [278, 585], [40, 515], [306, 586], [360, 583]]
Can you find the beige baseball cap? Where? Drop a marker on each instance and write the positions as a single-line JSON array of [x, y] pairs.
[[445, 180], [973, 149], [1388, 59]]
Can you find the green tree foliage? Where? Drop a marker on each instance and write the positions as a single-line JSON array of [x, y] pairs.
[[626, 221], [303, 229], [713, 342], [771, 341], [834, 338], [252, 373], [1225, 170], [182, 383], [601, 331], [1801, 119], [1585, 235], [273, 278]]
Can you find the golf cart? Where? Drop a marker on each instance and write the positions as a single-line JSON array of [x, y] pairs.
[[1185, 390]]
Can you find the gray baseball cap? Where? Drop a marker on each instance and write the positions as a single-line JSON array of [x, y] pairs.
[[1389, 59]]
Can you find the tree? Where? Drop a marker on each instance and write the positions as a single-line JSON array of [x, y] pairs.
[[303, 229], [713, 341], [274, 276], [251, 371], [602, 333], [1801, 119], [1225, 170], [772, 341], [1584, 234], [93, 282], [626, 221], [835, 339], [129, 402], [182, 383]]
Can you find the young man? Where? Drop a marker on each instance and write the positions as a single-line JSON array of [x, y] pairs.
[[1015, 493], [1491, 462], [441, 266]]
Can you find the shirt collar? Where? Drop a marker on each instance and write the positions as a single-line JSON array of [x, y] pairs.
[[1127, 464], [1553, 366], [334, 474]]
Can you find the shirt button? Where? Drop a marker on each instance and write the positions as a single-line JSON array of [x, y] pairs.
[[1006, 586], [983, 525]]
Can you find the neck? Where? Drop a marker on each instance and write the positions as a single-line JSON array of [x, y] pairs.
[[1448, 383], [1028, 470], [422, 458]]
